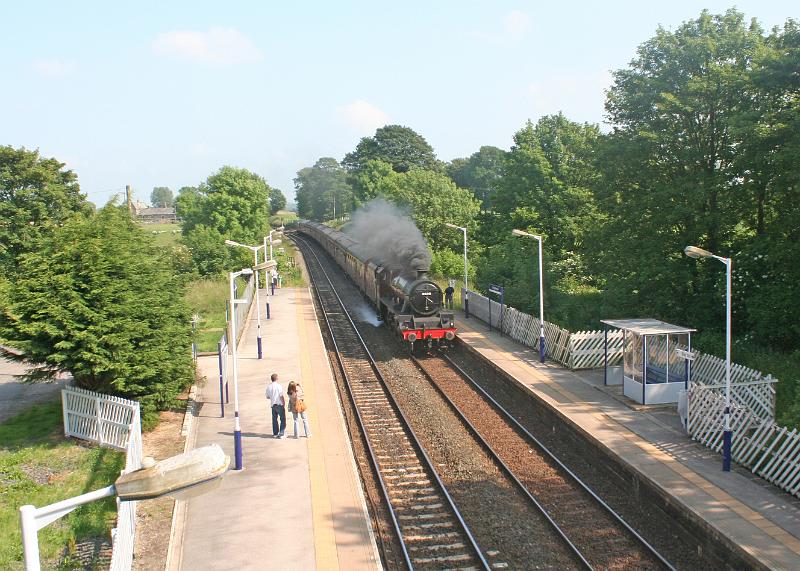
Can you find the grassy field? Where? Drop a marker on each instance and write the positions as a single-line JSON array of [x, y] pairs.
[[164, 234], [39, 466], [207, 298]]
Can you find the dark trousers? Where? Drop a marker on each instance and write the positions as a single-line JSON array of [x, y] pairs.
[[278, 412], [273, 287], [448, 301]]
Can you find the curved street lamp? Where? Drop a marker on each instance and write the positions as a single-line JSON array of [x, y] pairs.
[[727, 435], [255, 250], [541, 290], [466, 284], [175, 476]]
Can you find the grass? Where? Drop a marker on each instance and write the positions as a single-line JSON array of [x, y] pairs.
[[164, 234], [39, 466], [288, 268], [207, 298]]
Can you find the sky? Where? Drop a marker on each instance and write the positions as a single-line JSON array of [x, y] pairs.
[[165, 93]]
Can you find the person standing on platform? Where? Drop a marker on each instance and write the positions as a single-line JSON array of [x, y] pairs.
[[278, 405], [448, 295], [297, 406], [273, 280]]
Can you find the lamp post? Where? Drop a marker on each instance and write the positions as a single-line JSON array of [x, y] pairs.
[[727, 435], [195, 320], [237, 429], [169, 477], [466, 284], [541, 290], [255, 250]]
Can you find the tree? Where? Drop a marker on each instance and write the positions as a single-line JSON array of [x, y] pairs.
[[318, 187], [480, 173], [401, 147], [36, 195], [277, 201], [161, 197], [546, 189], [233, 203], [670, 169], [100, 300]]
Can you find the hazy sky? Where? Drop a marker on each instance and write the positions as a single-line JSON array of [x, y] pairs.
[[165, 93]]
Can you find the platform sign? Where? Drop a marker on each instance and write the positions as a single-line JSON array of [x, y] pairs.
[[499, 290]]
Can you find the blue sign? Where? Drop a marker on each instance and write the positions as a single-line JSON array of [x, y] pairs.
[[498, 289]]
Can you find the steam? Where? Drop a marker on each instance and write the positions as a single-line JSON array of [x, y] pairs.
[[384, 232]]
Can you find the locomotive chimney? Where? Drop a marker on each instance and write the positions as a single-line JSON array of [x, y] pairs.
[[422, 273]]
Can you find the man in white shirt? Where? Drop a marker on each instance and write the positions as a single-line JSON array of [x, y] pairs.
[[277, 401]]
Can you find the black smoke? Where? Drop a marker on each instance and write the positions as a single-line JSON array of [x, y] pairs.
[[386, 233]]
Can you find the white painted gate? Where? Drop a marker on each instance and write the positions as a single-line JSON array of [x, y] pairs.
[[114, 422]]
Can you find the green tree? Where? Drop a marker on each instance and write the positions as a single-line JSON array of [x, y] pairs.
[[100, 300], [480, 173], [432, 199], [161, 197], [36, 194], [277, 201], [318, 187], [232, 204], [401, 147], [670, 167]]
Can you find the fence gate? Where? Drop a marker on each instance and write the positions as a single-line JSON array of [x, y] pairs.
[[114, 422]]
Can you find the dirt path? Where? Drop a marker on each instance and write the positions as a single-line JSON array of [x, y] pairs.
[[16, 396]]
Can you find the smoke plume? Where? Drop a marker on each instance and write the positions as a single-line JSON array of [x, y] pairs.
[[384, 232]]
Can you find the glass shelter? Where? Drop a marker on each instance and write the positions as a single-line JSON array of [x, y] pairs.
[[655, 359]]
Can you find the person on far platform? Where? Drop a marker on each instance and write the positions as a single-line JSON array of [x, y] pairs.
[[448, 295]]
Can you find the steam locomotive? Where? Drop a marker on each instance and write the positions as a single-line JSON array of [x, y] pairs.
[[406, 300]]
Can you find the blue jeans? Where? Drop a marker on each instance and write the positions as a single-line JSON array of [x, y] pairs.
[[278, 411]]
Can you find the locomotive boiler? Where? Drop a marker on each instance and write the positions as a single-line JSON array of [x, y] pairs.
[[405, 299]]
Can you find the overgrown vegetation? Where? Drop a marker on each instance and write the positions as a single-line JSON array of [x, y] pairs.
[[39, 466]]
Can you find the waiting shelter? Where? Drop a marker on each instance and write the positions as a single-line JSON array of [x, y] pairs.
[[655, 360]]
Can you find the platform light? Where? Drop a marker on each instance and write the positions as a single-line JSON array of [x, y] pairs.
[[190, 472], [727, 434], [538, 238], [466, 283]]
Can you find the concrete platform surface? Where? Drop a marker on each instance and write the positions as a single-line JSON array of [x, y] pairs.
[[755, 515], [298, 503]]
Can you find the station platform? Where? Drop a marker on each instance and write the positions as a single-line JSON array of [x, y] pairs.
[[739, 508], [298, 503]]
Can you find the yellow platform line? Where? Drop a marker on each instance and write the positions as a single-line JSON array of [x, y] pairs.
[[752, 516], [325, 551]]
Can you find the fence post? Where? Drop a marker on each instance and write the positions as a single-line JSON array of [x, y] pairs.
[[100, 438]]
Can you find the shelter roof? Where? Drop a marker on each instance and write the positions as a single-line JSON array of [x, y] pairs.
[[647, 326]]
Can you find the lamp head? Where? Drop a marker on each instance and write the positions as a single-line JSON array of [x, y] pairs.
[[266, 265], [516, 232], [695, 252], [232, 243], [246, 272], [451, 226]]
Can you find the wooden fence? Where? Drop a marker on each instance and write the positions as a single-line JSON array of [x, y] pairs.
[[769, 450], [582, 350], [114, 422]]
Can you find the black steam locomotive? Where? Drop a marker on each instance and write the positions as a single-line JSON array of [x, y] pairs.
[[409, 304]]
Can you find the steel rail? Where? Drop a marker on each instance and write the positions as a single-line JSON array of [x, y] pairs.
[[494, 456], [574, 477], [393, 402]]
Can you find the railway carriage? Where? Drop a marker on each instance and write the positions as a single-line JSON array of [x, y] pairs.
[[405, 300]]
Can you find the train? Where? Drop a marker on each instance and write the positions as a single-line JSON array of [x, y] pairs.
[[405, 300]]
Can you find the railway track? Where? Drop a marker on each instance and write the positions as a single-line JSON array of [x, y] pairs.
[[602, 539], [429, 527]]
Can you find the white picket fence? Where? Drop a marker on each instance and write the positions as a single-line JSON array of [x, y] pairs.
[[769, 450], [581, 350], [243, 309], [114, 422]]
